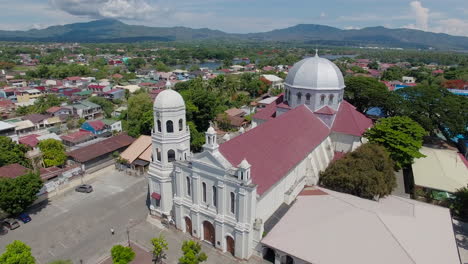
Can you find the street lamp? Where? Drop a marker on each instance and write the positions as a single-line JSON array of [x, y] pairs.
[[128, 231]]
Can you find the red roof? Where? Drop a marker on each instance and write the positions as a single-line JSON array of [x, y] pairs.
[[104, 147], [326, 110], [350, 121], [6, 103], [277, 146], [95, 86], [284, 105], [53, 109], [97, 124], [74, 78], [77, 136], [267, 113], [12, 171], [29, 140]]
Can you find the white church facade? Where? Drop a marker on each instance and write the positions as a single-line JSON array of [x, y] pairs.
[[225, 194]]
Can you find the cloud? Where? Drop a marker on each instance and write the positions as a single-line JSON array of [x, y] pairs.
[[119, 9], [452, 26], [422, 15]]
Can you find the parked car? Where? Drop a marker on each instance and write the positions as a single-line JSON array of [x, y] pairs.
[[84, 188], [24, 217], [11, 223]]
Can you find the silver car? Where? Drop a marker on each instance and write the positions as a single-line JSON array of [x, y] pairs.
[[84, 188]]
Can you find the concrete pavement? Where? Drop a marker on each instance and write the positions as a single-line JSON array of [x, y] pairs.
[[76, 226]]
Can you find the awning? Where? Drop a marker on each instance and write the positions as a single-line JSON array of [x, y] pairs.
[[156, 196]]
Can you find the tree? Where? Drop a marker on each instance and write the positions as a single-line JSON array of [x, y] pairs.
[[19, 193], [53, 152], [106, 105], [121, 254], [197, 139], [366, 172], [459, 204], [10, 152], [401, 136], [394, 74], [192, 253], [365, 92], [17, 253], [139, 115], [161, 67], [159, 246], [373, 65]]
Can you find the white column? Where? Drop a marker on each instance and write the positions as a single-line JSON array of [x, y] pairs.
[[221, 199], [242, 206], [196, 188]]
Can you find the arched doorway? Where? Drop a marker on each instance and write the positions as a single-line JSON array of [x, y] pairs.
[[230, 245], [208, 232], [287, 260], [188, 225], [269, 255]]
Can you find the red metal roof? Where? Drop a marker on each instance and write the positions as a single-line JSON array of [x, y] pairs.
[[101, 148], [275, 147], [13, 171], [267, 113], [29, 140], [77, 136], [326, 110], [97, 124], [350, 121], [53, 109]]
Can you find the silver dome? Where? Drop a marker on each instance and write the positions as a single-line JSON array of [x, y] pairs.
[[315, 73]]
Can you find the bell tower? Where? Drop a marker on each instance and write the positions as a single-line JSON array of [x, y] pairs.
[[170, 143]]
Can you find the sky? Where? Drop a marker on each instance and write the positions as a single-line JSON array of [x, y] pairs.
[[242, 16]]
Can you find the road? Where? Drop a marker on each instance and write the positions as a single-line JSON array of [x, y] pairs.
[[77, 226]]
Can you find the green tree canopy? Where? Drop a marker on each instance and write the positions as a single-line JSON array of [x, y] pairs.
[[121, 254], [106, 105], [53, 152], [159, 248], [139, 116], [10, 152], [17, 252], [192, 253], [459, 204], [19, 193], [365, 92], [401, 136], [366, 172]]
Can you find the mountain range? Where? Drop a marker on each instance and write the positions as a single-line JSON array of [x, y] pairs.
[[111, 30]]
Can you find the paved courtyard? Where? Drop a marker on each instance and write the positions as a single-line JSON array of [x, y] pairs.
[[461, 235], [77, 226]]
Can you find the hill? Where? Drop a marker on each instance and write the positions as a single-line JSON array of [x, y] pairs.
[[111, 30]]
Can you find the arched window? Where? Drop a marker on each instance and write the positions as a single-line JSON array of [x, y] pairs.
[[171, 155], [158, 154], [159, 125], [215, 194], [169, 126], [185, 155], [330, 99], [322, 99], [204, 192], [181, 124], [307, 99], [299, 97], [189, 186], [233, 202]]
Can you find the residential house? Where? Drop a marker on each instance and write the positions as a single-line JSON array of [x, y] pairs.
[[117, 112], [114, 94], [58, 111], [235, 117], [113, 125], [86, 109], [97, 127], [7, 107], [76, 138], [409, 79], [138, 154], [37, 119], [99, 88], [13, 171], [6, 129], [100, 153], [27, 96], [273, 81]]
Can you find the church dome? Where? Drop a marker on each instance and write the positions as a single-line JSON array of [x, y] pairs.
[[169, 99], [315, 73]]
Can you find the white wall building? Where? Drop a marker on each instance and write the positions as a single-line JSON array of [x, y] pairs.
[[225, 194]]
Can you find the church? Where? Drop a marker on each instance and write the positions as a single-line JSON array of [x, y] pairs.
[[225, 194]]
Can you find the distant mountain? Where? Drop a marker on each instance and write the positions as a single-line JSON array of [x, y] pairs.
[[111, 30]]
